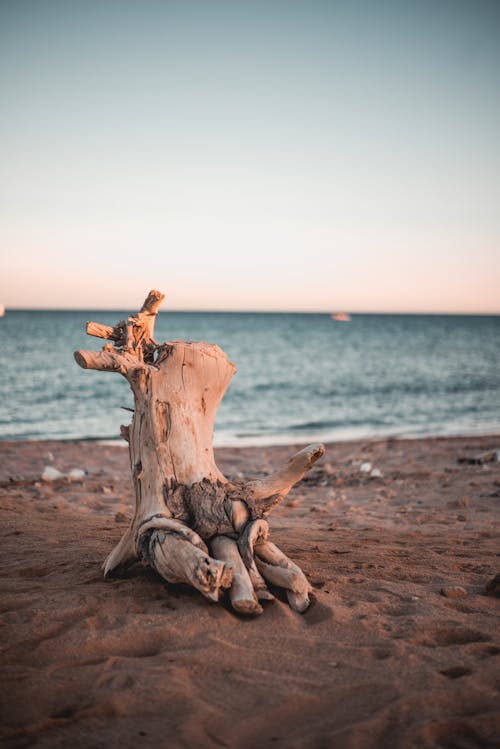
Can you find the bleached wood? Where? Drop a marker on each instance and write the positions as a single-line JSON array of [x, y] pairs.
[[279, 570], [107, 360], [149, 310], [98, 330], [254, 533], [265, 494], [177, 560], [242, 595], [182, 500]]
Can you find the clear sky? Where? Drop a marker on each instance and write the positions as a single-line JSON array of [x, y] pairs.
[[251, 155]]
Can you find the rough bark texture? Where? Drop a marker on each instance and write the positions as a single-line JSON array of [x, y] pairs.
[[190, 523]]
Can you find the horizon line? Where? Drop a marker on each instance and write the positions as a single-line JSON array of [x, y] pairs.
[[453, 313]]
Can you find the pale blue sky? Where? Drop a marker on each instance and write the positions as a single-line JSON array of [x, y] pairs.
[[264, 155]]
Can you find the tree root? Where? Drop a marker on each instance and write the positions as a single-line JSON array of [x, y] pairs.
[[179, 561], [242, 594]]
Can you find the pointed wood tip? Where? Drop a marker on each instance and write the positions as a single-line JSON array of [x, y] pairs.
[[315, 451]]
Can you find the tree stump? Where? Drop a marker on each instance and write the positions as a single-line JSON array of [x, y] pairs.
[[190, 523]]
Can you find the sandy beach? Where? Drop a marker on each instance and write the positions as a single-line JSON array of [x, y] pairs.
[[400, 648]]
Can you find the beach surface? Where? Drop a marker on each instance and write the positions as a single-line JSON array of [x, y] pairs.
[[400, 647]]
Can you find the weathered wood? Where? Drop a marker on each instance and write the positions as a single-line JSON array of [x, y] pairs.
[[255, 532], [242, 594], [182, 500], [490, 456], [98, 330], [279, 570], [107, 360], [176, 559], [264, 494]]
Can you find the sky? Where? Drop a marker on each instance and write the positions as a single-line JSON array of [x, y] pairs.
[[264, 155]]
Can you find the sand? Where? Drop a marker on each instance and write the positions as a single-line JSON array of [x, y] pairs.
[[381, 659]]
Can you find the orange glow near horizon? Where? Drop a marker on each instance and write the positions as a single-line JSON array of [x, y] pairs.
[[322, 159]]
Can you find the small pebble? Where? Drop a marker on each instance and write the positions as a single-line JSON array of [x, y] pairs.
[[376, 473], [454, 591], [76, 473], [51, 474], [120, 518], [365, 467]]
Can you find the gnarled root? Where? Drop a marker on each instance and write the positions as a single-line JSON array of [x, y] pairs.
[[242, 594], [279, 570], [178, 560], [255, 532]]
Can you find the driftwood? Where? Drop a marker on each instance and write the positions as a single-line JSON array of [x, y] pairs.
[[190, 523], [490, 456]]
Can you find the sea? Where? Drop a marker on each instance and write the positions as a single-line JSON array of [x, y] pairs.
[[300, 378]]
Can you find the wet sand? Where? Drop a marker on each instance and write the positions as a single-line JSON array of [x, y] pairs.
[[381, 659]]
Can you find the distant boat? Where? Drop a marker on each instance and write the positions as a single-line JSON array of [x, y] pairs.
[[2, 310], [341, 317]]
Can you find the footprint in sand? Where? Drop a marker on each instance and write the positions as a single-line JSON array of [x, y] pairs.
[[128, 644], [487, 651], [116, 682], [317, 613], [458, 735], [381, 654], [397, 609], [447, 634], [35, 572], [456, 672], [64, 714]]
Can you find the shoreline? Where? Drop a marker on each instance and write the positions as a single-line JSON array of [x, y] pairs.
[[230, 440], [41, 448], [382, 657]]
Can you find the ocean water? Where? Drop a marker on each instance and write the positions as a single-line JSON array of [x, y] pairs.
[[300, 376]]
